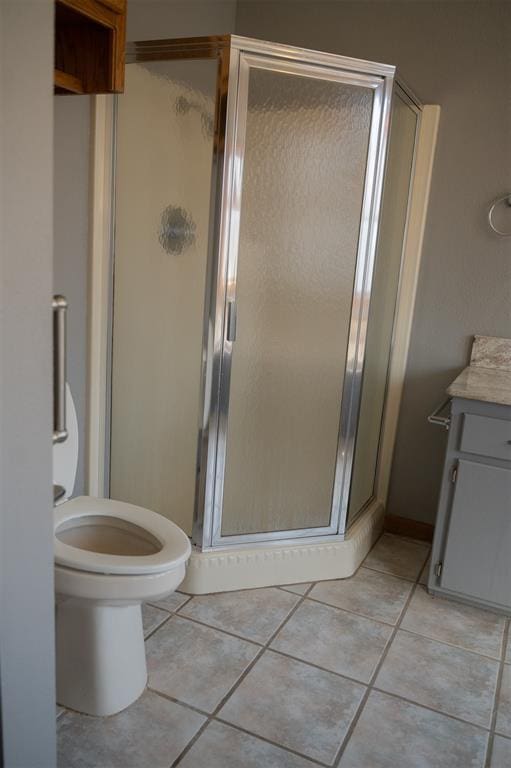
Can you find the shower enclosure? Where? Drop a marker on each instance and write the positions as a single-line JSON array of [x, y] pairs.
[[260, 211]]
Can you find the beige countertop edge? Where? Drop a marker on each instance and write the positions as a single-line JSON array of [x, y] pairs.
[[490, 385]]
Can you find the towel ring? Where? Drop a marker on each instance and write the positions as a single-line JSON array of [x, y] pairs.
[[505, 198]]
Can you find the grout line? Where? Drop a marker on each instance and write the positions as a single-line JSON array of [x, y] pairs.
[[153, 631], [355, 680], [505, 640], [355, 613], [165, 621], [184, 617], [379, 665], [285, 588], [415, 633], [170, 610], [400, 697], [404, 578], [192, 741], [240, 679], [182, 703], [312, 760]]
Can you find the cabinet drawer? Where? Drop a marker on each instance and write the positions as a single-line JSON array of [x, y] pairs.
[[486, 436]]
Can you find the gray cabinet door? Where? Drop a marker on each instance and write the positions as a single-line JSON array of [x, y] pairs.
[[477, 556]]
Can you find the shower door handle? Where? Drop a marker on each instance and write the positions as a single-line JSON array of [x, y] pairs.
[[59, 306], [231, 320]]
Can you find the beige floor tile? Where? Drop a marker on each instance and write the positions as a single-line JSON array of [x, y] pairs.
[[253, 613], [172, 602], [400, 557], [221, 746], [501, 752], [295, 705], [504, 708], [376, 595], [341, 642], [423, 579], [196, 664], [395, 734], [508, 651], [448, 679], [152, 732], [298, 589], [152, 617], [455, 623]]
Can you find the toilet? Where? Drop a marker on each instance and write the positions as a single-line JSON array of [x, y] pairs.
[[110, 557]]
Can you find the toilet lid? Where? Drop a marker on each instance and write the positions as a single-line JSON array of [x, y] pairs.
[[175, 545]]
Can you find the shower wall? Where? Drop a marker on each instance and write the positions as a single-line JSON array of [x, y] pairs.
[[164, 155]]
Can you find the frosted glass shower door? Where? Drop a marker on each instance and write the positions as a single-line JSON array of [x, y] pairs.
[[398, 177], [165, 136], [305, 154]]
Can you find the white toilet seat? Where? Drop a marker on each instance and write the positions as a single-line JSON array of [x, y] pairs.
[[175, 545], [110, 557]]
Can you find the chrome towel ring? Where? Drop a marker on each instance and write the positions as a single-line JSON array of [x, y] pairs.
[[504, 199]]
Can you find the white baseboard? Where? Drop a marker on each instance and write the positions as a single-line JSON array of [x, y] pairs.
[[227, 569]]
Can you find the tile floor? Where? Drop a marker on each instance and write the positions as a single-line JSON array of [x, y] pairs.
[[368, 672]]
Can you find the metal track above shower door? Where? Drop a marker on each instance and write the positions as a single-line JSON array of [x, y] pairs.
[[244, 55]]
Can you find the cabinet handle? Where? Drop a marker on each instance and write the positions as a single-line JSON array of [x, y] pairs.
[[59, 306], [442, 421]]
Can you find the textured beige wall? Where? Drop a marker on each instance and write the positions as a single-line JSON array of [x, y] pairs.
[[458, 55], [163, 159]]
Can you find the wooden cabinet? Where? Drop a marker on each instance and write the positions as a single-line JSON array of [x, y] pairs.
[[471, 558], [90, 37]]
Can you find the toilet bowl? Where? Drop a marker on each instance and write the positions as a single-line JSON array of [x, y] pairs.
[[110, 557]]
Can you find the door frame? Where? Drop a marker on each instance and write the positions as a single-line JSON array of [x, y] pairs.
[[246, 55]]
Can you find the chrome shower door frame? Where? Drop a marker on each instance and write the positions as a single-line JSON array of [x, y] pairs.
[[400, 91], [226, 211]]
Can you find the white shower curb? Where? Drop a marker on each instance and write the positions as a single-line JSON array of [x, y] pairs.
[[229, 569]]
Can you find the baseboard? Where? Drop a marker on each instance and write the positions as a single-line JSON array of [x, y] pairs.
[[413, 529]]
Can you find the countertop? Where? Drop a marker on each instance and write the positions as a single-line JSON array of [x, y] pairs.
[[491, 385], [488, 377]]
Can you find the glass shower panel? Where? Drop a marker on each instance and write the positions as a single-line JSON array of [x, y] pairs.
[[383, 302], [304, 169], [164, 162]]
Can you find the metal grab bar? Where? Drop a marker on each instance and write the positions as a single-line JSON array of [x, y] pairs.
[[442, 421], [59, 306]]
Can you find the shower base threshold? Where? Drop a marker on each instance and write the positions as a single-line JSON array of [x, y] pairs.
[[225, 570]]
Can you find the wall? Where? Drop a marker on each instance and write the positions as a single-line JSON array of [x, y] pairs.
[[159, 19], [71, 244], [27, 689], [458, 55]]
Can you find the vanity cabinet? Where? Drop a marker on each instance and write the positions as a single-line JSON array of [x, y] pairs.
[[471, 558], [90, 37]]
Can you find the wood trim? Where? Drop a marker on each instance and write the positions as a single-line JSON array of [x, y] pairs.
[[412, 529], [64, 82], [90, 38]]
